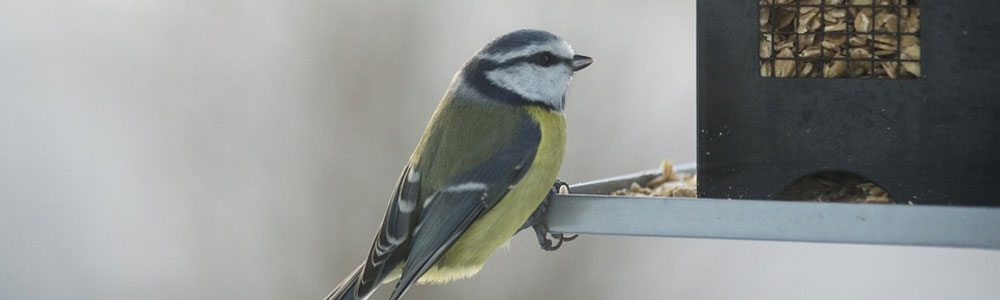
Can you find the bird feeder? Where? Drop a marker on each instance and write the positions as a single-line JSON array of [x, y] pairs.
[[899, 94], [887, 101]]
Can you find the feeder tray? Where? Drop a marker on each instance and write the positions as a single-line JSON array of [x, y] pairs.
[[793, 94], [589, 210]]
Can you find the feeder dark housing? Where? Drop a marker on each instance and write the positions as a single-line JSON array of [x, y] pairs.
[[932, 138]]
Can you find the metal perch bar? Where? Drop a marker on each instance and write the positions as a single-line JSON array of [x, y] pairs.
[[900, 224]]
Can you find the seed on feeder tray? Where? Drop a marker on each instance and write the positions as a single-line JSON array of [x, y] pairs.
[[824, 187], [666, 174], [668, 184], [835, 187]]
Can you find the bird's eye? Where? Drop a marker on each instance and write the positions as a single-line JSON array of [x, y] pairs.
[[545, 59]]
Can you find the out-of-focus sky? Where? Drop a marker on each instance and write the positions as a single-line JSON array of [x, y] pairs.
[[246, 149]]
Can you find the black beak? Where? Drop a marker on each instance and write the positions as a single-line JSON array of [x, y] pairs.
[[580, 62]]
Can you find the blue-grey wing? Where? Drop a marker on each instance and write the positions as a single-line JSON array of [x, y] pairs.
[[393, 236], [449, 211]]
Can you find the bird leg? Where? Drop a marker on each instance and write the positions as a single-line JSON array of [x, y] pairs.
[[537, 221]]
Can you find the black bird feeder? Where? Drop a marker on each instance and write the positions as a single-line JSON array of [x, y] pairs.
[[831, 101], [902, 94]]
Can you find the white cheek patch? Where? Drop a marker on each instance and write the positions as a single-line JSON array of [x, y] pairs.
[[533, 82]]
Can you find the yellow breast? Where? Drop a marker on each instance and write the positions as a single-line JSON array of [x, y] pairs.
[[497, 226]]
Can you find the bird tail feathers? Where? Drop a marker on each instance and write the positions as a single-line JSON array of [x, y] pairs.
[[348, 289]]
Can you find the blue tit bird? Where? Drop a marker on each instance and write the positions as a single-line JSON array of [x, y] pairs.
[[486, 161]]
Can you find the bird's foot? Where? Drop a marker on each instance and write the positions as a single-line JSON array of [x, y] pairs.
[[536, 221]]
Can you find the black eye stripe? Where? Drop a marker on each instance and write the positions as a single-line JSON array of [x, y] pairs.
[[545, 59], [534, 59]]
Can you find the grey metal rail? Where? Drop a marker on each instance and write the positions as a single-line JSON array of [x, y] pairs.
[[917, 225]]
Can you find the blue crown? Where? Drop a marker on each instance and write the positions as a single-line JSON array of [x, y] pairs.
[[518, 39]]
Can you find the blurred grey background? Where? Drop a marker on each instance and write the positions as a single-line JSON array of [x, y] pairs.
[[185, 149]]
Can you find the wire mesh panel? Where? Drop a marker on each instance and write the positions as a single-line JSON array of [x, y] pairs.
[[839, 38]]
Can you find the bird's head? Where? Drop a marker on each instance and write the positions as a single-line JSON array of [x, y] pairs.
[[522, 67]]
